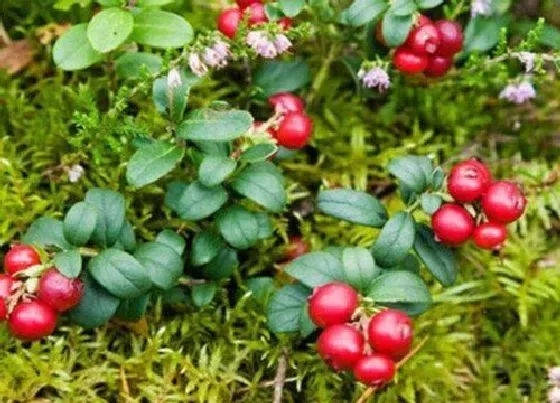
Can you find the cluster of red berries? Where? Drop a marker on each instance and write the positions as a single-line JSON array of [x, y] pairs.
[[230, 18], [32, 313], [373, 351], [497, 204], [429, 48], [295, 127]]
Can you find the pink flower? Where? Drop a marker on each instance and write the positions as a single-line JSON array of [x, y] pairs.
[[528, 59], [266, 49], [481, 7], [282, 43], [554, 395], [196, 65], [75, 173], [174, 78], [554, 375], [255, 38], [375, 78], [211, 57], [518, 92], [222, 49]]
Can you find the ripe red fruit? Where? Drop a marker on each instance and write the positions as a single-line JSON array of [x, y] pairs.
[[451, 35], [243, 4], [61, 293], [490, 235], [283, 102], [32, 321], [340, 346], [20, 257], [504, 202], [423, 20], [332, 304], [294, 130], [228, 21], [390, 332], [452, 224], [409, 62], [285, 23], [468, 181], [257, 14], [6, 284], [438, 66], [374, 370], [424, 39], [296, 247]]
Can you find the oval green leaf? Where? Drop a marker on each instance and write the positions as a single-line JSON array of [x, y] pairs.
[[394, 241], [163, 264], [215, 169], [73, 51], [161, 29], [239, 227], [109, 28], [350, 205], [439, 260], [153, 161], [215, 125], [79, 223], [316, 269], [263, 184]]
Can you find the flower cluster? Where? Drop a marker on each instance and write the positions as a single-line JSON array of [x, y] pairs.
[[374, 77], [554, 379], [518, 92], [215, 56], [268, 45]]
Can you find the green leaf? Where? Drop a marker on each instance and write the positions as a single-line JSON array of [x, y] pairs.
[[258, 153], [431, 203], [426, 4], [438, 177], [46, 232], [363, 11], [402, 8], [132, 309], [161, 29], [396, 27], [72, 51], [215, 125], [306, 325], [395, 240], [316, 269], [221, 149], [261, 288], [69, 263], [265, 225], [173, 99], [263, 184], [173, 193], [203, 294], [410, 263], [439, 260], [173, 240], [79, 223], [222, 266], [291, 8], [399, 287], [198, 201], [163, 264], [127, 237], [109, 28], [350, 205], [279, 76], [131, 64], [120, 273], [153, 161], [205, 247], [286, 307], [359, 268], [483, 33], [214, 169], [153, 3], [413, 172], [110, 209], [96, 307], [239, 227]]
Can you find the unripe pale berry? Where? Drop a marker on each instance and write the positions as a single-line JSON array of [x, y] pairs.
[[452, 224], [468, 181], [451, 35], [408, 62], [32, 320], [296, 247], [490, 235], [20, 257], [294, 131], [374, 370], [60, 292], [391, 332], [341, 346], [228, 21], [332, 304], [504, 202]]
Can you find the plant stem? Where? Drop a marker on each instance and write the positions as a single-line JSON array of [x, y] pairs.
[[366, 395], [189, 282], [88, 252], [280, 378]]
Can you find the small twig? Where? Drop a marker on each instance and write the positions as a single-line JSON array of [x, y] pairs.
[[189, 282], [266, 384], [280, 378], [4, 37], [126, 389], [366, 395], [412, 352]]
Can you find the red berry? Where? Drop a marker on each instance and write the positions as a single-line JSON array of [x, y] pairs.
[[296, 247], [285, 23], [32, 321], [294, 130], [20, 257], [332, 304], [424, 39], [61, 293], [243, 4], [504, 202], [228, 21], [409, 62], [341, 346], [390, 332], [490, 235], [283, 102], [438, 66], [452, 224], [423, 20], [374, 370], [257, 14], [451, 34], [468, 181]]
